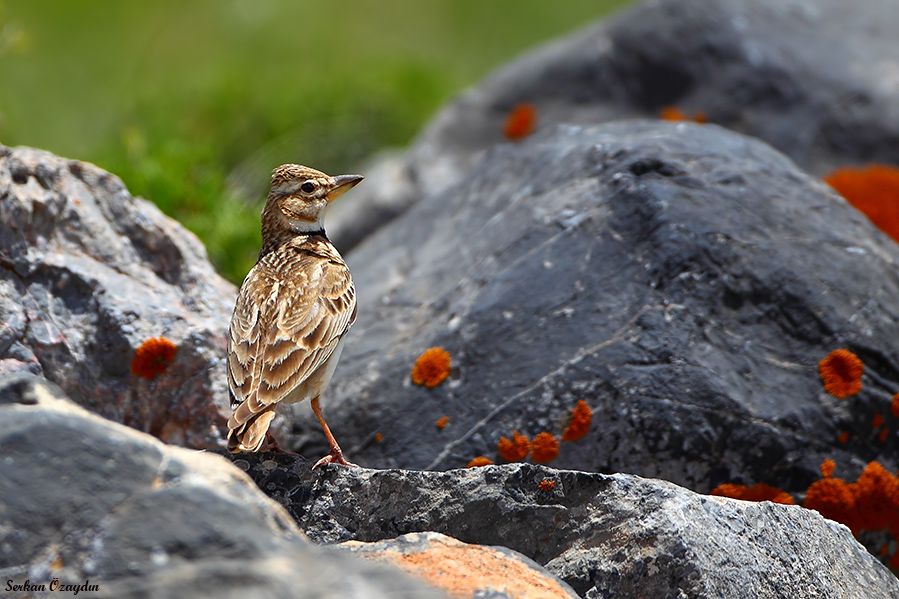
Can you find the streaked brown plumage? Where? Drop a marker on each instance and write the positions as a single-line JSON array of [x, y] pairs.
[[292, 311]]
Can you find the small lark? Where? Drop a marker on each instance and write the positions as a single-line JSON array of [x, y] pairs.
[[292, 311]]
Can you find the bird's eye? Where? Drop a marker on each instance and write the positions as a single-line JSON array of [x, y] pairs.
[[308, 187]]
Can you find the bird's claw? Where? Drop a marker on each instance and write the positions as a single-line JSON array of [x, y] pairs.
[[335, 457]]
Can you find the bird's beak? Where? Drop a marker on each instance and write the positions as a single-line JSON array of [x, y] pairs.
[[342, 184]]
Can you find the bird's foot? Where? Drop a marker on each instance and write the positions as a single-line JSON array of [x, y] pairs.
[[335, 457], [271, 445]]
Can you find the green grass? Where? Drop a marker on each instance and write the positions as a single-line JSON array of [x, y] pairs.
[[193, 102]]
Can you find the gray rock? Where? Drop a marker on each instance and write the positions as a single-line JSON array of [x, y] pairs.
[[465, 570], [87, 274], [387, 186], [682, 279], [605, 535], [819, 80], [82, 498]]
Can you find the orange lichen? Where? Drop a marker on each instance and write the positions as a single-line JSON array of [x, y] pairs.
[[756, 492], [877, 421], [843, 437], [578, 422], [871, 503], [884, 434], [544, 448], [841, 373], [153, 357], [832, 498], [441, 422], [876, 499], [379, 437], [894, 406], [479, 461], [873, 189], [514, 449], [461, 570], [432, 367], [546, 485], [521, 122], [673, 113]]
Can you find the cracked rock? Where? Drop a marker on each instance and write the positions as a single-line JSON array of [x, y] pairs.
[[681, 279], [85, 499], [605, 535], [87, 274]]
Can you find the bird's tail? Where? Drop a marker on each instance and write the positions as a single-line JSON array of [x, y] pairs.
[[246, 432]]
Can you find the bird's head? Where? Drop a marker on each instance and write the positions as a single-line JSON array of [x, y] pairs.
[[300, 195]]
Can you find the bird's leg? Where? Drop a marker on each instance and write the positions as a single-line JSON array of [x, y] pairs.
[[336, 455]]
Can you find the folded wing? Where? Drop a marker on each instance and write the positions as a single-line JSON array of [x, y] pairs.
[[283, 329]]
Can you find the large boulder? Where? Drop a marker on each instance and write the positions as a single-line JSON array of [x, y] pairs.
[[605, 535], [90, 502], [388, 188], [682, 279], [88, 274], [817, 80]]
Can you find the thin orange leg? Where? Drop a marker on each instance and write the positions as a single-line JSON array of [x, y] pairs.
[[336, 455]]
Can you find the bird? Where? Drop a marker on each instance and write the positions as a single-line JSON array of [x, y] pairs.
[[292, 313]]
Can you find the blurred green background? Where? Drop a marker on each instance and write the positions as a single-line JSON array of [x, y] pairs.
[[193, 102]]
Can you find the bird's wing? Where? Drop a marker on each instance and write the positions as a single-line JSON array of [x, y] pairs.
[[284, 328]]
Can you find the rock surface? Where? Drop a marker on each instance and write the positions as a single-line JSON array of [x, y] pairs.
[[87, 274], [464, 570], [82, 498], [682, 279], [388, 186], [817, 80], [605, 535]]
